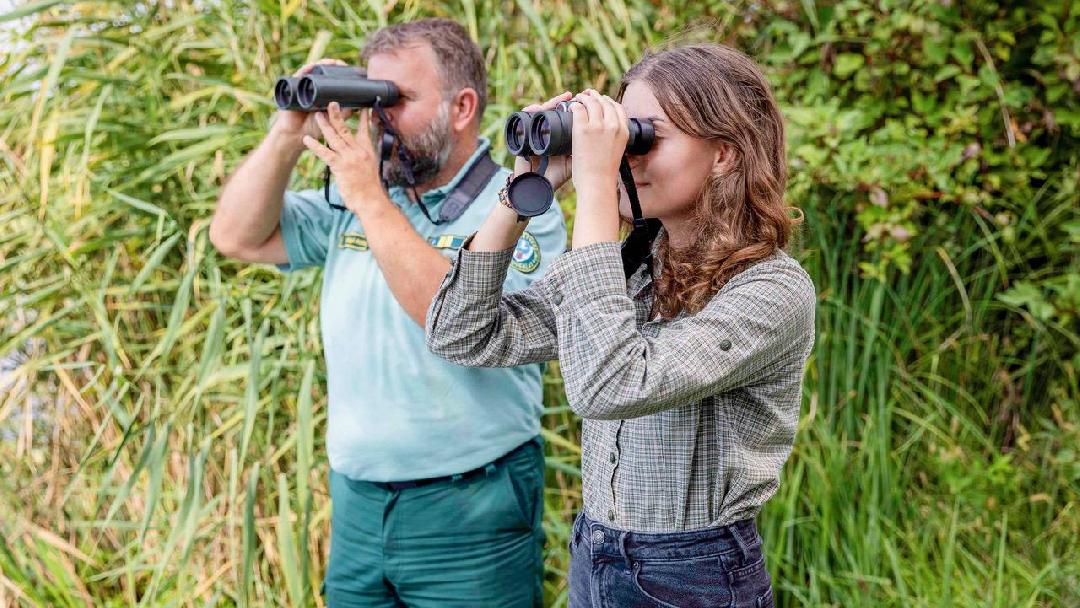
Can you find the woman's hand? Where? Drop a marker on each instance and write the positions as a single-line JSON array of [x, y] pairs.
[[599, 142], [501, 229], [558, 169], [350, 156]]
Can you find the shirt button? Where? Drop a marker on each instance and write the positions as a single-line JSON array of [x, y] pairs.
[[613, 458], [598, 537], [611, 515], [725, 344]]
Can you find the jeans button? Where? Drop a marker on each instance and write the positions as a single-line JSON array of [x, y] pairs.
[[598, 537]]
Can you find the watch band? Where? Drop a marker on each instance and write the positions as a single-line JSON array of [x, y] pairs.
[[504, 198]]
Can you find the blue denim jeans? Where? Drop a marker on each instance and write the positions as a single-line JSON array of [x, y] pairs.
[[713, 568]]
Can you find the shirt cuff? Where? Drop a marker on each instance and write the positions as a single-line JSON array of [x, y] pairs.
[[481, 271], [588, 273]]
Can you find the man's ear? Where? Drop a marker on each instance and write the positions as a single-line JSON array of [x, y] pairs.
[[463, 109]]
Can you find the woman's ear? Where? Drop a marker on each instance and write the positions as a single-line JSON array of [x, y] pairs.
[[463, 108], [723, 160]]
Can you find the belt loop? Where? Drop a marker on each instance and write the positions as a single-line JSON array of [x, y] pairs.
[[622, 550], [490, 468], [739, 540]]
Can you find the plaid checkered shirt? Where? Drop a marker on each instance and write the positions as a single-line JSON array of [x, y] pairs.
[[688, 421]]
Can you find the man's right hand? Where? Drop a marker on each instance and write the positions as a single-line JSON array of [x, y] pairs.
[[293, 125], [246, 222]]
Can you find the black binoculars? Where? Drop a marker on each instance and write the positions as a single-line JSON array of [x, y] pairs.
[[549, 133], [347, 85]]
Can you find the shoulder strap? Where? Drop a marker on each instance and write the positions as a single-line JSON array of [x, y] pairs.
[[471, 185]]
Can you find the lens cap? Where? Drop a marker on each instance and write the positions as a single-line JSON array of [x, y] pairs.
[[531, 194]]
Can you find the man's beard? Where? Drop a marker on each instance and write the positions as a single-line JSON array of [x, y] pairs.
[[430, 151]]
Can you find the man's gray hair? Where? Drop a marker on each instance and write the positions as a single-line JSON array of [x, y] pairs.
[[460, 63]]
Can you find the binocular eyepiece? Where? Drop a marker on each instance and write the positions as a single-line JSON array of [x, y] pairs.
[[549, 133], [347, 85]]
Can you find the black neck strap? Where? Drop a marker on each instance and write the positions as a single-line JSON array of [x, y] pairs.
[[637, 248], [458, 199]]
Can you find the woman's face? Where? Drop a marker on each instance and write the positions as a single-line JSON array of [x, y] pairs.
[[670, 177]]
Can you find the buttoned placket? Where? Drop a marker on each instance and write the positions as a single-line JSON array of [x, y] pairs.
[[613, 465]]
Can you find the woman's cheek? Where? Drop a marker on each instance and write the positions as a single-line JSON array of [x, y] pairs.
[[624, 204]]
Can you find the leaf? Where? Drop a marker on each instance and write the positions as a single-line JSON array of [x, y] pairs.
[[1024, 294], [847, 64]]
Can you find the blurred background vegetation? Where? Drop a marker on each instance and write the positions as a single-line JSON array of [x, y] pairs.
[[162, 409]]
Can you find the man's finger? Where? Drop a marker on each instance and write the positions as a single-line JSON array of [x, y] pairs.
[[307, 68], [326, 154], [330, 134], [363, 129], [337, 121]]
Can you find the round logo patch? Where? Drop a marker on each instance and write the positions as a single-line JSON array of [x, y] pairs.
[[526, 257]]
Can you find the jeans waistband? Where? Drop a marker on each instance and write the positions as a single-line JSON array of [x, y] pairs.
[[739, 537]]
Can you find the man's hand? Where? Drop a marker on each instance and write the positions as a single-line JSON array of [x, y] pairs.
[[350, 156], [295, 124]]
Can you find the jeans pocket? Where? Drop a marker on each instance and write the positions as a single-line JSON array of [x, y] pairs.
[[685, 583], [751, 585], [765, 600]]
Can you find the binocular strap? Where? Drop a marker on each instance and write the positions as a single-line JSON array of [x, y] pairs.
[[637, 248], [458, 199]]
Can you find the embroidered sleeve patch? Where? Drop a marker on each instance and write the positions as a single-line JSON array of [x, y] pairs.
[[353, 240], [526, 256]]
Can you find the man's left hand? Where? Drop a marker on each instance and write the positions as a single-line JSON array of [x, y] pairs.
[[350, 156]]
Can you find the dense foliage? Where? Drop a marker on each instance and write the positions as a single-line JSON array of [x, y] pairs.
[[162, 409]]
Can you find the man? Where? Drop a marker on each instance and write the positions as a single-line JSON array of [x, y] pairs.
[[436, 470]]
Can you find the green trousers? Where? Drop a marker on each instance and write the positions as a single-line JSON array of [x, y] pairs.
[[475, 542]]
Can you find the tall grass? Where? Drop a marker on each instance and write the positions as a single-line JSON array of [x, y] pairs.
[[162, 409]]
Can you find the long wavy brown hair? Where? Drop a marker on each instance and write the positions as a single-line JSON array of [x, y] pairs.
[[717, 93]]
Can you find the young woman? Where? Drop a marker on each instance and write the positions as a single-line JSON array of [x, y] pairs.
[[688, 373]]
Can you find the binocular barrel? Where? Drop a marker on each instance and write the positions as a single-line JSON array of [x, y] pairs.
[[550, 133], [349, 86]]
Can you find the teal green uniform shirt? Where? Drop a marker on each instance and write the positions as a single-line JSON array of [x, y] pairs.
[[396, 411]]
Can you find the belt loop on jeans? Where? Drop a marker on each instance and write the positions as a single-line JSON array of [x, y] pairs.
[[739, 540], [622, 550]]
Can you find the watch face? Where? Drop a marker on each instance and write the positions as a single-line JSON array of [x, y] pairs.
[[530, 194]]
